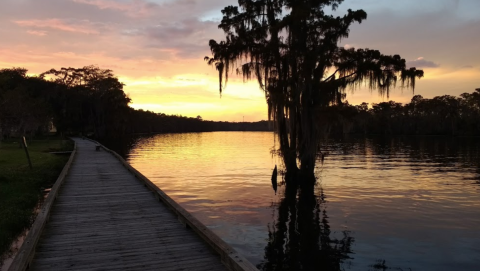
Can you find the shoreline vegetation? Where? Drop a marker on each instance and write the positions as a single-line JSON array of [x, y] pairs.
[[23, 189], [90, 101]]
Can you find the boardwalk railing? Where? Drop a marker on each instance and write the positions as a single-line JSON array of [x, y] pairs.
[[233, 260], [26, 252]]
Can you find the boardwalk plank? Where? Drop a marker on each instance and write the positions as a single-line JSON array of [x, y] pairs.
[[119, 264], [105, 219], [132, 252]]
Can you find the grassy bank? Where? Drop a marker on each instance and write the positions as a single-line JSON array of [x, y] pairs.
[[21, 188]]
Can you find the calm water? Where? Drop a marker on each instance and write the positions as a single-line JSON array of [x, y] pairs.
[[379, 203]]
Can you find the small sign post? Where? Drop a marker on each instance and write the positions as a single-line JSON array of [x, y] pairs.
[[24, 144]]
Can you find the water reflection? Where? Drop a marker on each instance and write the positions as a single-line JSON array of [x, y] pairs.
[[120, 144], [274, 179], [411, 202], [301, 238]]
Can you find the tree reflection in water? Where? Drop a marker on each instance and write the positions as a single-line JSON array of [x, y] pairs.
[[301, 238]]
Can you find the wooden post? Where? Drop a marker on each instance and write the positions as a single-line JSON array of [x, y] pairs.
[[24, 144]]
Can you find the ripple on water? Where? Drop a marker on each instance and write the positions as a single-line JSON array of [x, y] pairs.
[[406, 201]]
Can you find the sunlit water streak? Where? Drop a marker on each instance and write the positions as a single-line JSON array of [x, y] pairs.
[[414, 203]]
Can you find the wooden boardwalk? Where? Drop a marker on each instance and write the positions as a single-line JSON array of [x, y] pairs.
[[106, 219]]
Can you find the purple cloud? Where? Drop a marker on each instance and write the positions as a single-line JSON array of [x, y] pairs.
[[136, 8], [422, 63]]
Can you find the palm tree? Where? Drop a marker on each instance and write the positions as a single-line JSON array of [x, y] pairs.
[[291, 48]]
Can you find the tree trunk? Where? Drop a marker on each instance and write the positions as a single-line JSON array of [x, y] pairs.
[[302, 135], [307, 143], [289, 156], [308, 148], [308, 135]]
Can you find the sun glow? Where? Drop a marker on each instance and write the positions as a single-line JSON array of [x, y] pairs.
[[158, 54]]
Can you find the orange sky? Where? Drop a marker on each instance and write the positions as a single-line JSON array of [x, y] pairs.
[[157, 47]]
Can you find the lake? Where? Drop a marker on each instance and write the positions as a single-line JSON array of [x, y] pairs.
[[409, 203]]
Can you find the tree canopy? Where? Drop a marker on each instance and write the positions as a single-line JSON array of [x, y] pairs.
[[90, 101], [291, 47], [440, 115]]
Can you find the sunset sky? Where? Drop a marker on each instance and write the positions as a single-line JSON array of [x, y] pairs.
[[156, 47]]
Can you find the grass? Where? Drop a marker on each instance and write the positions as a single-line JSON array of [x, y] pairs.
[[21, 188]]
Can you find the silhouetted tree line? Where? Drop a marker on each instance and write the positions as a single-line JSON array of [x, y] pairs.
[[150, 122], [441, 115], [91, 101], [88, 101]]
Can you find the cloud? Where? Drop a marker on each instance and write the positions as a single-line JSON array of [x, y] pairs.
[[184, 38], [163, 42], [37, 33], [422, 63], [83, 26], [169, 31], [134, 8]]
